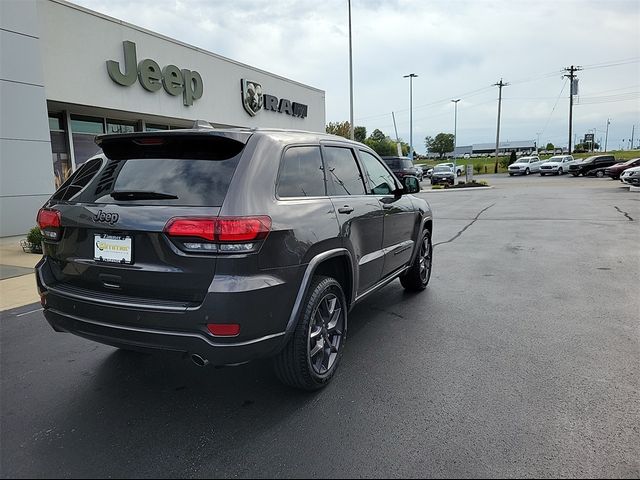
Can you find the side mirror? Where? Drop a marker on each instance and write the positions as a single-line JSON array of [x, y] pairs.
[[411, 184]]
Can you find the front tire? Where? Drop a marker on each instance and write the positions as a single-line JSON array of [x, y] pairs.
[[417, 277], [599, 174], [311, 357], [527, 171], [560, 172]]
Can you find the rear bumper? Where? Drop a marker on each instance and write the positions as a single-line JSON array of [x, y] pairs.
[[149, 339], [261, 304]]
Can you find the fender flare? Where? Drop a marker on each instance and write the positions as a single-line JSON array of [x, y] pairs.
[[306, 281]]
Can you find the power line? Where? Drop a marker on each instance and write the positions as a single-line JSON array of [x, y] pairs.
[[554, 107]]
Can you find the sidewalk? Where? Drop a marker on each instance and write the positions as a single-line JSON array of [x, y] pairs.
[[17, 280]]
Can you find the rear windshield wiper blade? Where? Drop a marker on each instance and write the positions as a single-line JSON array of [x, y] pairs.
[[141, 195]]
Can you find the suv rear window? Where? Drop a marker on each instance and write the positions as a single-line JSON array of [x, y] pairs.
[[194, 172], [392, 163]]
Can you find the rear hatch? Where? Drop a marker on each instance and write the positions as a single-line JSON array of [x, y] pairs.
[[113, 213]]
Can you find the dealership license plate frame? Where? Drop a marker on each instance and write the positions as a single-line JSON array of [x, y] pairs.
[[115, 256]]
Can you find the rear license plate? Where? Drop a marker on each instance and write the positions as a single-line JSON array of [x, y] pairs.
[[112, 248]]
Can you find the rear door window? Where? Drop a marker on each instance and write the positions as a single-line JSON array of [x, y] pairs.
[[342, 171], [301, 173]]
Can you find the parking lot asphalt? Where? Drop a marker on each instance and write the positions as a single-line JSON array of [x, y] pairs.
[[521, 359]]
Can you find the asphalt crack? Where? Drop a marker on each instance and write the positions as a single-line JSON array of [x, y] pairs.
[[465, 227], [624, 213]]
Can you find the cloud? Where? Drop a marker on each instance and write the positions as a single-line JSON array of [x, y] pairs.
[[455, 47]]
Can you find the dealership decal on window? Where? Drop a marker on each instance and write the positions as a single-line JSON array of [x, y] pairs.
[[254, 100], [175, 81]]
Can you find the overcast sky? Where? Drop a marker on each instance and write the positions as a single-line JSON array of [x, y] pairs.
[[458, 49]]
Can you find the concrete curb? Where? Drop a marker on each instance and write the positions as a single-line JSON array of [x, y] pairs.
[[456, 189]]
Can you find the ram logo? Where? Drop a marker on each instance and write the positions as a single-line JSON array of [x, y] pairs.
[[252, 98]]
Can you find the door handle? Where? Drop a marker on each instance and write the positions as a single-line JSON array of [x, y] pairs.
[[387, 206], [346, 209]]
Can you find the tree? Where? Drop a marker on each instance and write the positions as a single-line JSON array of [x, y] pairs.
[[381, 143], [342, 129], [513, 158], [443, 143], [550, 146], [360, 134]]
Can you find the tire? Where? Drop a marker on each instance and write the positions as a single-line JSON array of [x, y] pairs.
[[417, 277], [575, 174], [541, 174], [599, 174], [458, 173], [510, 174], [527, 172], [560, 172], [297, 365]]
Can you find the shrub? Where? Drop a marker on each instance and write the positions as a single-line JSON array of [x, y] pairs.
[[34, 236]]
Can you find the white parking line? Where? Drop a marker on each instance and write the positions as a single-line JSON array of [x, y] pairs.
[[27, 313]]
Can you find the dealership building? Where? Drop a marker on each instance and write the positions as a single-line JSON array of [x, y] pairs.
[[68, 74]]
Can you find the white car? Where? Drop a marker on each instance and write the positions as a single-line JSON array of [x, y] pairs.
[[459, 168], [557, 165], [631, 176], [525, 165]]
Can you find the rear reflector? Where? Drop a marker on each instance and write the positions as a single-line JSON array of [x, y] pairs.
[[224, 329], [221, 229]]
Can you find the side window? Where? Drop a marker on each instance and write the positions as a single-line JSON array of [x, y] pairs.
[[301, 173], [343, 174], [380, 180]]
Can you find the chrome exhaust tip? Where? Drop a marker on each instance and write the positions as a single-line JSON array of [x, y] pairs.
[[198, 360]]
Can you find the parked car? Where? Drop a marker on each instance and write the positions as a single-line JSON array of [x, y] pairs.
[[557, 165], [229, 245], [442, 174], [591, 163], [616, 170], [428, 172], [400, 166], [459, 168], [631, 176], [419, 172], [525, 165]]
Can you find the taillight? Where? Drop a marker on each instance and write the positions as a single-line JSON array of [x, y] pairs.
[[49, 222], [222, 234]]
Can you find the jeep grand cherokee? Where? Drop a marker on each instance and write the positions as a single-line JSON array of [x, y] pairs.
[[229, 245]]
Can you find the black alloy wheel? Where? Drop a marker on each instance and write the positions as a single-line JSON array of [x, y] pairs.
[[310, 358], [416, 278]]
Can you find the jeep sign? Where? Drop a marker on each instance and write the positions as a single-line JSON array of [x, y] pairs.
[[152, 78]]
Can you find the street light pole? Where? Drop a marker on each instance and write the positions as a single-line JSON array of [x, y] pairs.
[[606, 135], [455, 138], [351, 128], [411, 77]]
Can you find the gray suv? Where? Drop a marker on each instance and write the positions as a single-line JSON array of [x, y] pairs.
[[229, 245]]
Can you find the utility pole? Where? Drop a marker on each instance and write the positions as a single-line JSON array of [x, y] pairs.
[[350, 79], [573, 90], [398, 145], [500, 84], [633, 131], [455, 140], [606, 136]]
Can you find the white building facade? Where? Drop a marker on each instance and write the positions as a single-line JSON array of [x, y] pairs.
[[68, 73]]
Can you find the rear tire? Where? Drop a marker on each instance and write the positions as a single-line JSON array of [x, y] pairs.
[[599, 174], [310, 358], [417, 277]]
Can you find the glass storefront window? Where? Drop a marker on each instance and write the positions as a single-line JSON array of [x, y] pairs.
[[55, 123], [59, 150], [117, 126], [84, 131], [87, 125], [149, 127]]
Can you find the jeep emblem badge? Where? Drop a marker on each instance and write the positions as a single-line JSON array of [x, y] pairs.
[[251, 97], [109, 218]]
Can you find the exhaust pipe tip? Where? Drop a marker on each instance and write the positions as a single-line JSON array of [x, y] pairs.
[[198, 360]]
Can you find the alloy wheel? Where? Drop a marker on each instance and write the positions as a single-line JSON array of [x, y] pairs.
[[326, 332], [425, 259]]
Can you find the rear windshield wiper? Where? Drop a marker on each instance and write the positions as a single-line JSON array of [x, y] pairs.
[[141, 195]]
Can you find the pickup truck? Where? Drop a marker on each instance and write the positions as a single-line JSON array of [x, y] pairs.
[[459, 168]]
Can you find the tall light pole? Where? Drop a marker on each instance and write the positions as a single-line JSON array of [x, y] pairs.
[[455, 137], [538, 142], [350, 78], [606, 135], [411, 77]]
